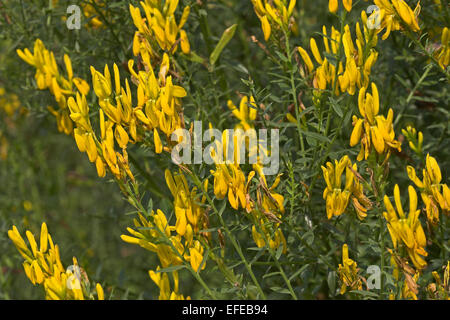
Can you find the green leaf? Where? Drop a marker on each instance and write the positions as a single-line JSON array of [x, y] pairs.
[[226, 37], [298, 272], [192, 56], [316, 136], [332, 282], [336, 107], [268, 275], [366, 294], [280, 290], [171, 269], [279, 252], [223, 208]]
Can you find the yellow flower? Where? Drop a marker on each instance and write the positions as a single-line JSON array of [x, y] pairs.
[[442, 54], [415, 139], [246, 113], [337, 199], [357, 68], [48, 77], [230, 180], [441, 288], [348, 272], [433, 192], [406, 230], [155, 234], [268, 217], [393, 13], [407, 293], [159, 26], [43, 266], [373, 130], [188, 209], [158, 109], [9, 103], [196, 256], [275, 15], [333, 5], [275, 237], [161, 279]]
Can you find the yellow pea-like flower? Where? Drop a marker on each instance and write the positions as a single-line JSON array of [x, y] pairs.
[[338, 198], [434, 194], [348, 272], [43, 266], [306, 59], [406, 229], [315, 51], [373, 130], [185, 47], [266, 27], [347, 5], [157, 141], [275, 15], [333, 6]]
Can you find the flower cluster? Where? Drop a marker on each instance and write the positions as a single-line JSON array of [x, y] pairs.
[[246, 113], [358, 60], [336, 198], [90, 11], [373, 129], [434, 193], [442, 54], [274, 15], [406, 230], [348, 272], [267, 216], [48, 77], [43, 266], [415, 139], [161, 279], [155, 234], [392, 14], [333, 5], [159, 27], [187, 205], [441, 288]]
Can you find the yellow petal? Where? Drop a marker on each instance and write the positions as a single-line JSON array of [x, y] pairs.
[[377, 139], [306, 59], [265, 27], [398, 203], [433, 169], [157, 141], [315, 51], [44, 238], [347, 5], [356, 133], [333, 5], [100, 293], [184, 42]]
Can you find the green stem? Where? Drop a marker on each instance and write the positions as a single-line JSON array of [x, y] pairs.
[[382, 248], [229, 234], [294, 95], [277, 263], [428, 54]]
